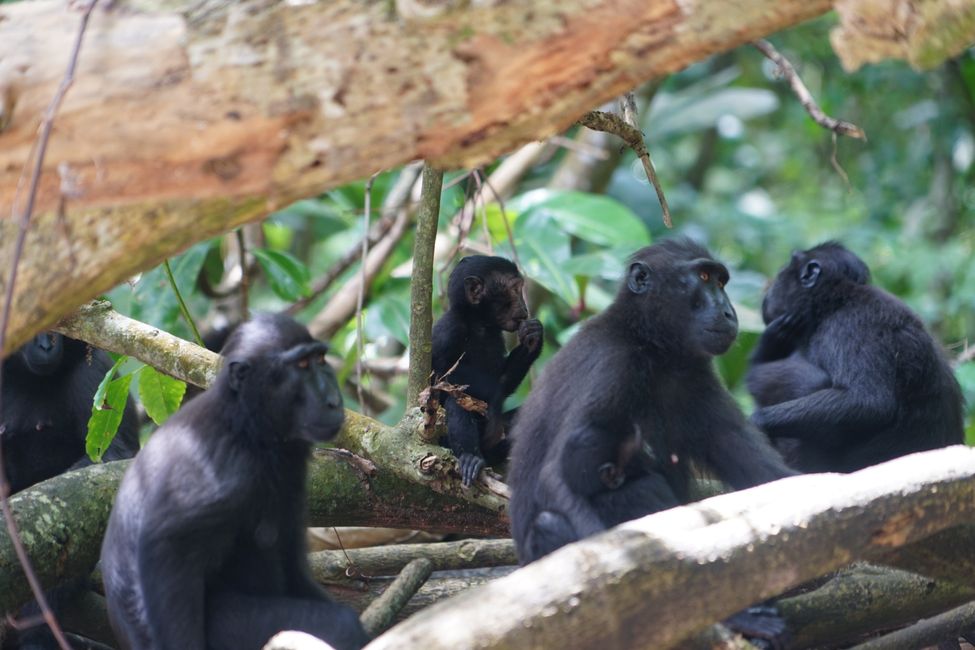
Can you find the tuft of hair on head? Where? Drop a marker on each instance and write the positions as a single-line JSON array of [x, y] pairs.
[[844, 261], [265, 333], [671, 249]]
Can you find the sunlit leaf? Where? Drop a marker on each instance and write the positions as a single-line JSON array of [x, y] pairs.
[[544, 248], [160, 394], [108, 407], [593, 218]]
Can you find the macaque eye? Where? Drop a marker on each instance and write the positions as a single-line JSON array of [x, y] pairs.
[[704, 275], [303, 363]]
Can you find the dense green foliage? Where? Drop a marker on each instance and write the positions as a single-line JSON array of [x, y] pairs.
[[745, 170]]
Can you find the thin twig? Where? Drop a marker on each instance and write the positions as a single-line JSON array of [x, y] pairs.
[[837, 167], [967, 354], [360, 347], [242, 251], [461, 221], [479, 182], [787, 70], [47, 125], [507, 222], [393, 205], [183, 309], [579, 147], [631, 135], [628, 107]]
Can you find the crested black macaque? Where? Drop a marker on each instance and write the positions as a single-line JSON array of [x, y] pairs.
[[485, 298], [205, 546], [845, 372], [611, 430], [48, 388]]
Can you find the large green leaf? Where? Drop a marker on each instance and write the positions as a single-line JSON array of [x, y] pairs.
[[607, 264], [544, 249], [593, 218], [108, 407], [160, 394], [287, 276]]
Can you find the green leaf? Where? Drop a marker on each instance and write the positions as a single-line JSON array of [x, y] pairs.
[[277, 236], [495, 221], [287, 276], [544, 249], [99, 397], [607, 264], [593, 218], [160, 394], [106, 415], [389, 315]]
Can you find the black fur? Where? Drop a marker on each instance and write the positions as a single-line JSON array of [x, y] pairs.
[[485, 296], [205, 546], [622, 414], [845, 372], [48, 387]]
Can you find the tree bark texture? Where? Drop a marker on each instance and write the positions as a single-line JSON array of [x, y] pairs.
[[922, 32], [864, 599], [421, 284], [190, 119]]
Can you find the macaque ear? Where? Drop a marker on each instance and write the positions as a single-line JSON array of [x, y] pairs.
[[638, 277], [238, 374], [474, 288], [810, 274]]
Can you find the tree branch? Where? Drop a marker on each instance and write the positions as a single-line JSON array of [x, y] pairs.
[[633, 138], [787, 70], [928, 632], [97, 323], [395, 203], [341, 306], [654, 581], [381, 612], [389, 560], [865, 599], [421, 284]]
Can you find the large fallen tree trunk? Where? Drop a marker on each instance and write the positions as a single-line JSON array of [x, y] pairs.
[[654, 581], [62, 520], [190, 122]]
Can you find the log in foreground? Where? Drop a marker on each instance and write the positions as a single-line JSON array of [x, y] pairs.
[[198, 116], [654, 581]]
